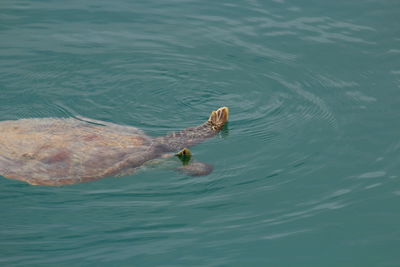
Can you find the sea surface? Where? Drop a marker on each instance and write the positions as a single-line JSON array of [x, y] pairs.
[[307, 172]]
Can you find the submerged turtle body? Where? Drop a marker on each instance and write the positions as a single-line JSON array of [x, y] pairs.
[[54, 151]]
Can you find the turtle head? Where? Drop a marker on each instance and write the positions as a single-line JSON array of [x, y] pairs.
[[218, 118]]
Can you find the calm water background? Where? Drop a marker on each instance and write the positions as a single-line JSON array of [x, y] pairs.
[[307, 173]]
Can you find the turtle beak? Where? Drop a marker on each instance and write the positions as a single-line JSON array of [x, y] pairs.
[[223, 114], [218, 118]]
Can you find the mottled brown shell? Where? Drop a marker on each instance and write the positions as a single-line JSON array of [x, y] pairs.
[[68, 151]]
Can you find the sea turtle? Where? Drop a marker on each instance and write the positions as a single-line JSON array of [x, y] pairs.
[[61, 151]]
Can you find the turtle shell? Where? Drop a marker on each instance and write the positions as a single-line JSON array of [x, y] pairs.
[[53, 151]]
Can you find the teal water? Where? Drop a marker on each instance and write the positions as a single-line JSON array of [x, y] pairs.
[[307, 173]]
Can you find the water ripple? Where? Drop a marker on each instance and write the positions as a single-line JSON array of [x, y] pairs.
[[311, 144]]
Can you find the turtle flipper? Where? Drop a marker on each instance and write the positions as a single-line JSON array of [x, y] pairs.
[[196, 169], [192, 168], [184, 155]]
